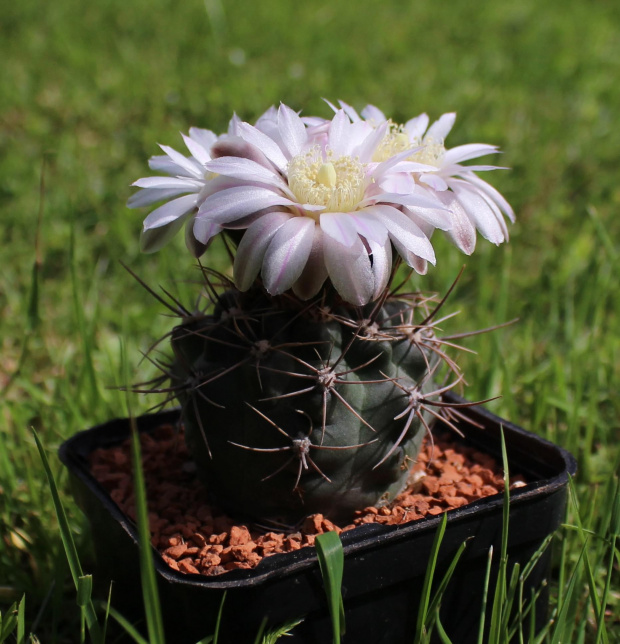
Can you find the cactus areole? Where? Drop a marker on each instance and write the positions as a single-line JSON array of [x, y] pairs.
[[308, 386]]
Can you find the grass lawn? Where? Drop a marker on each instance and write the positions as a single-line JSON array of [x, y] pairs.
[[87, 91]]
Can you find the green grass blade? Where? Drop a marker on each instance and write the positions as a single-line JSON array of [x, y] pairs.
[[496, 632], [564, 614], [596, 603], [614, 530], [21, 621], [273, 636], [69, 545], [423, 615], [331, 561], [443, 636], [128, 627], [150, 593], [218, 622], [434, 606], [485, 596], [259, 635]]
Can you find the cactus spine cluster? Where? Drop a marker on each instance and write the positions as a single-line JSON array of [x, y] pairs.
[[293, 408]]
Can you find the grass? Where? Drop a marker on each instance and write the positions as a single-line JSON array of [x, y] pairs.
[[87, 92]]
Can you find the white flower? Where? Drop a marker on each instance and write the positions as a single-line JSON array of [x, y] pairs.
[[187, 177], [473, 203], [313, 205]]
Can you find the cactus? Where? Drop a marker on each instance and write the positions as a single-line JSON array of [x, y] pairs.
[[293, 408], [310, 385]]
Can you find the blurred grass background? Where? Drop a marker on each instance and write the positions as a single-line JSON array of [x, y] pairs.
[[88, 90]]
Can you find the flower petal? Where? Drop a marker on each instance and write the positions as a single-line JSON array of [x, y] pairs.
[[245, 170], [227, 205], [369, 227], [234, 146], [372, 113], [349, 270], [160, 183], [264, 143], [417, 126], [381, 265], [152, 239], [169, 212], [440, 129], [205, 229], [478, 210], [251, 249], [315, 272], [469, 151], [292, 130], [149, 196], [191, 167], [196, 149], [163, 163], [491, 192], [462, 233], [340, 227], [195, 247], [403, 232], [434, 181], [287, 254], [339, 130], [203, 137]]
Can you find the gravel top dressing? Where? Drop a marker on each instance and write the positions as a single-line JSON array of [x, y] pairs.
[[194, 536]]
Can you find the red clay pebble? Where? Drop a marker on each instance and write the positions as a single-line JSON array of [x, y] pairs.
[[176, 551], [239, 535], [194, 536]]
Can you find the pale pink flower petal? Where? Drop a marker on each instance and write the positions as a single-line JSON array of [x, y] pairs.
[[292, 130], [233, 203], [440, 129], [381, 265], [251, 249], [349, 270], [315, 272], [287, 254], [340, 226]]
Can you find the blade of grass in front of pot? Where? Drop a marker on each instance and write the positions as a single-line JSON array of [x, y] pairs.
[[435, 604], [8, 622], [614, 533], [259, 635], [273, 636], [496, 634], [524, 609], [69, 545], [566, 616], [596, 603], [331, 562], [150, 593], [84, 596], [128, 627], [443, 636], [218, 621], [21, 621], [423, 613], [485, 596]]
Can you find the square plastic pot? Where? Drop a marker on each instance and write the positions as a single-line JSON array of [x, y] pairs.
[[384, 565]]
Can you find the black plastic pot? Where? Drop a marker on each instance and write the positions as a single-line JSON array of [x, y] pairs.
[[384, 565]]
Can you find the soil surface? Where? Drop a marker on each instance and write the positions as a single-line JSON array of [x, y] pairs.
[[195, 537]]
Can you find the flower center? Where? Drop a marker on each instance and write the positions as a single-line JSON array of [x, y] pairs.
[[397, 140], [321, 180]]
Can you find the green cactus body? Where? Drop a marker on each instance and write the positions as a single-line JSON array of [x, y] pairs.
[[290, 411]]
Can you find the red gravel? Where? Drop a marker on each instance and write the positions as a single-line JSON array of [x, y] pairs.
[[195, 537]]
